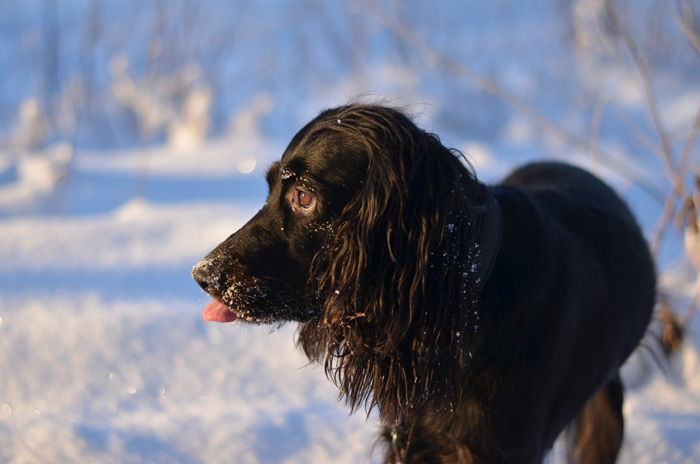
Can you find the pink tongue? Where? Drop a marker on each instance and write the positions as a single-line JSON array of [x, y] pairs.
[[218, 312]]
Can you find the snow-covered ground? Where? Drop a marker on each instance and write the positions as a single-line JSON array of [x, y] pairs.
[[104, 356]]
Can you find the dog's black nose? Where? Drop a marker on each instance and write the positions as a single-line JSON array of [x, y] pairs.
[[200, 276], [209, 277]]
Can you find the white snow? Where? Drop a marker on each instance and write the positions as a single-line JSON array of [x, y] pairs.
[[104, 356], [128, 379], [85, 380], [98, 374]]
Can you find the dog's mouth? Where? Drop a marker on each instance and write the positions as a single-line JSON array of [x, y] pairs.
[[237, 298], [218, 312], [255, 300]]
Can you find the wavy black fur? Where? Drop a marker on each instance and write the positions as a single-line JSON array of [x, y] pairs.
[[369, 240]]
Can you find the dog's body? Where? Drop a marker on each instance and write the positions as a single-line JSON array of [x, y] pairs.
[[481, 322]]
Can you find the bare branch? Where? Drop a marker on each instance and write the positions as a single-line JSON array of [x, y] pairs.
[[596, 120], [638, 133], [687, 26], [669, 211], [640, 62], [690, 141], [677, 171], [489, 85]]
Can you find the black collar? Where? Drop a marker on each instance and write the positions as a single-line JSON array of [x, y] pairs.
[[488, 237]]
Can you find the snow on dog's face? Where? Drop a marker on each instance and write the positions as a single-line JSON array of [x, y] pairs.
[[261, 273]]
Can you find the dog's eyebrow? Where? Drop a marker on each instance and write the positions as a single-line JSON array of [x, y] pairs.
[[293, 168], [286, 173]]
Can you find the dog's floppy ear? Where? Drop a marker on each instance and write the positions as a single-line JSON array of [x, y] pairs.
[[397, 272]]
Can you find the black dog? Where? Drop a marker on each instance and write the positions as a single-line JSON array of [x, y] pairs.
[[480, 321]]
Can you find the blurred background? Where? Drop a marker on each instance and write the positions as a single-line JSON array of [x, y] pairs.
[[134, 136]]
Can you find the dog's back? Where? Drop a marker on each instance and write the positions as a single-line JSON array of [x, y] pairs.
[[571, 185], [614, 255], [570, 297]]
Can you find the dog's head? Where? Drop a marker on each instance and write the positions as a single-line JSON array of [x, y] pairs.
[[261, 273], [367, 239]]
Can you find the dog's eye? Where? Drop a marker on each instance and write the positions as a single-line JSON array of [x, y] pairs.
[[305, 199]]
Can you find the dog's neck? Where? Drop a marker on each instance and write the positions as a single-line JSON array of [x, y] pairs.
[[488, 236]]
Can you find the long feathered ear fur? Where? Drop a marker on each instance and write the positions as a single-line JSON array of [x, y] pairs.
[[396, 275]]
